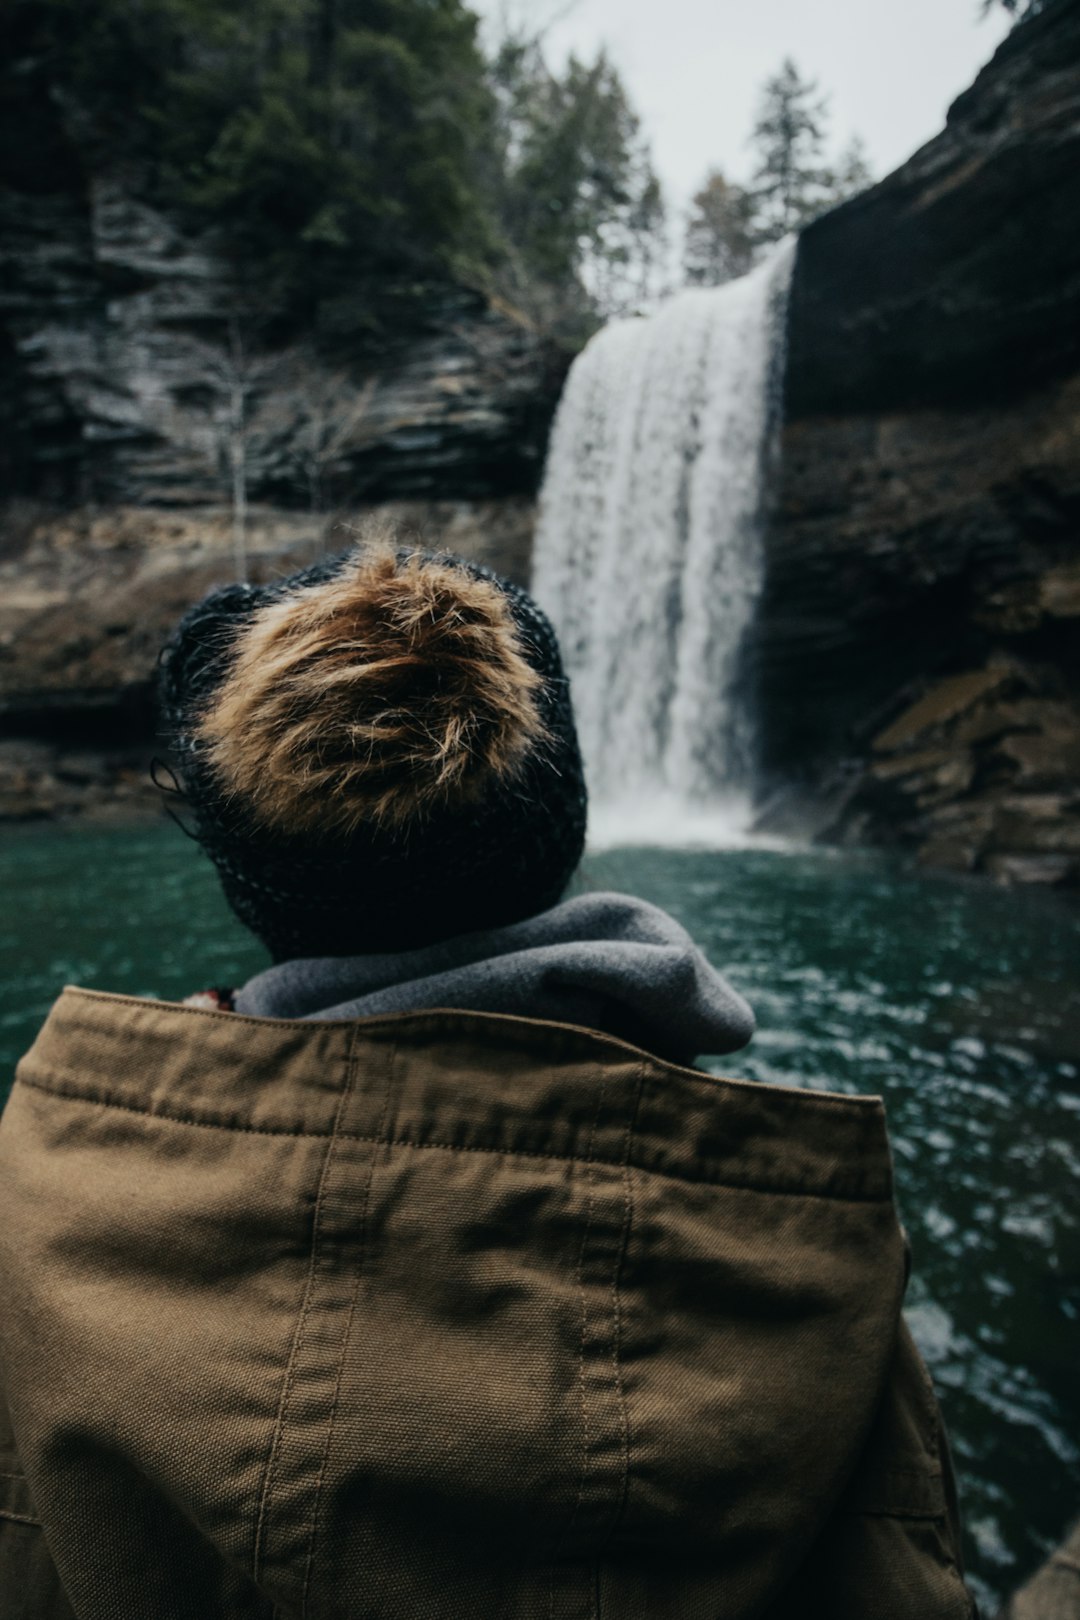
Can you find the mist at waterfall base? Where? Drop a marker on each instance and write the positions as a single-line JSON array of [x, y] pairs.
[[648, 553], [959, 1003]]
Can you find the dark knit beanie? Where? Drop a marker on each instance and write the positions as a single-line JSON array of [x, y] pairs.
[[379, 751]]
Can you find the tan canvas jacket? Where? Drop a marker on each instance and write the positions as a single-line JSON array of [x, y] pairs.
[[449, 1316]]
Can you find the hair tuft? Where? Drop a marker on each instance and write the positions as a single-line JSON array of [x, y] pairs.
[[395, 688]]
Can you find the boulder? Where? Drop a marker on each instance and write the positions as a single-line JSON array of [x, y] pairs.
[[980, 774]]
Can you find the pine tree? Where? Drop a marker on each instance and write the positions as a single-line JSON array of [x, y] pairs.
[[790, 183], [578, 203], [330, 140], [719, 243]]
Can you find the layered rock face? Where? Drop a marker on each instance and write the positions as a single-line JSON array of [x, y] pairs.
[[924, 559], [145, 395], [140, 368], [917, 650], [88, 597]]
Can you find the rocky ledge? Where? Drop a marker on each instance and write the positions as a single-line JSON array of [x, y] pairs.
[[981, 773], [87, 597]]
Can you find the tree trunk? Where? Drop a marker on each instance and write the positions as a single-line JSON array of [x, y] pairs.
[[238, 458]]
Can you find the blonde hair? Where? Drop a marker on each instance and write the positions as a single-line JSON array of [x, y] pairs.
[[394, 688]]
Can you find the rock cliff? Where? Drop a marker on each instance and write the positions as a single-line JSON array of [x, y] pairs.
[[139, 361], [145, 390], [917, 653], [924, 557]]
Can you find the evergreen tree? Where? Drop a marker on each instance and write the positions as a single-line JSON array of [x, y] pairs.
[[578, 204], [790, 185], [328, 139], [720, 235]]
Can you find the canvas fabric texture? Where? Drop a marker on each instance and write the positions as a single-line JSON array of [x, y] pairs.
[[450, 1316]]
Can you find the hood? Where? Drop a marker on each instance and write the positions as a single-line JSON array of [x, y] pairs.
[[608, 961], [444, 1314]]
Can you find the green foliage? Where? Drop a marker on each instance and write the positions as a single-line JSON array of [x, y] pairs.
[[791, 184], [578, 207], [329, 138], [353, 151]]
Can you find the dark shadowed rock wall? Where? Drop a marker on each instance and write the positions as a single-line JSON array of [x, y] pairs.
[[140, 371], [917, 652], [928, 521], [125, 334]]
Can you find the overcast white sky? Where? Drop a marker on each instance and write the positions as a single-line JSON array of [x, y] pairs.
[[694, 67]]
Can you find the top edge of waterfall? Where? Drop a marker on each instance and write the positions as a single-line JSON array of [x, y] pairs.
[[775, 267]]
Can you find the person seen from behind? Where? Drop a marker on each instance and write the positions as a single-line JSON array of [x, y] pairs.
[[424, 1276]]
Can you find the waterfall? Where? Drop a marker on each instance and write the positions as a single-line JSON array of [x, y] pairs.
[[648, 554]]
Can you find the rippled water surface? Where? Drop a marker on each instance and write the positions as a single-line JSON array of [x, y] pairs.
[[960, 1004]]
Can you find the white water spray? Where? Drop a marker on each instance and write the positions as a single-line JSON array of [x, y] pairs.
[[648, 553]]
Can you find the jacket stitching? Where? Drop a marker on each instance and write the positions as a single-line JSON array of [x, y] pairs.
[[560, 1539], [617, 1320], [298, 1335], [350, 1314], [784, 1190], [911, 1473], [19, 1518], [552, 1033]]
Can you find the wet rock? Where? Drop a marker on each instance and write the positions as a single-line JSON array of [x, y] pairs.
[[957, 278], [928, 778], [126, 341], [42, 780], [981, 773], [945, 702], [1054, 870], [90, 596], [922, 593]]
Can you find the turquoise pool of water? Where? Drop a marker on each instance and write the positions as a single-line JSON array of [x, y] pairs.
[[959, 1003]]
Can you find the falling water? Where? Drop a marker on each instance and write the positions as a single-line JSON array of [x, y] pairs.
[[648, 553]]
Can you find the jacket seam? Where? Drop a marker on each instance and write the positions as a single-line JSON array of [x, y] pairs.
[[583, 1473], [928, 1515], [380, 1023], [298, 1333], [912, 1473], [19, 1518], [617, 1321], [353, 1296], [784, 1190]]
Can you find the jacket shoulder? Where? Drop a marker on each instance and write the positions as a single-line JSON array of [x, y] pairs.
[[891, 1548]]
